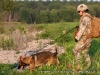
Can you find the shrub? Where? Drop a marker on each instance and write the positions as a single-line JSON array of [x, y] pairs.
[[40, 27], [6, 43], [2, 30], [21, 27]]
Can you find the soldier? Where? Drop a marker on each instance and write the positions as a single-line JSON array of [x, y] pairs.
[[81, 48]]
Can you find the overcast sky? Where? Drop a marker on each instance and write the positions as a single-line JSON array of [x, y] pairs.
[[94, 0], [67, 0]]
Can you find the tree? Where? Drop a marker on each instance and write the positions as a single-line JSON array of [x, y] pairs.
[[44, 16], [54, 16], [24, 15], [7, 5]]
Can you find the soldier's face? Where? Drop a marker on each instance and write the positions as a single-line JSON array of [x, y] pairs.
[[80, 13]]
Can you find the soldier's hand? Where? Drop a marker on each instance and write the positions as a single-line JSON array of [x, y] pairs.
[[77, 26], [64, 32]]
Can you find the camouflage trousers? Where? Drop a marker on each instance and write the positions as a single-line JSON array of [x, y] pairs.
[[81, 51]]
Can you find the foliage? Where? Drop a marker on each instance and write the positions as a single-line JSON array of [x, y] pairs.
[[12, 35], [8, 6], [6, 43], [40, 27], [21, 27], [24, 15], [2, 30], [51, 32]]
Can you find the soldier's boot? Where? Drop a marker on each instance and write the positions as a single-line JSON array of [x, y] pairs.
[[88, 62], [79, 68], [78, 62], [87, 58]]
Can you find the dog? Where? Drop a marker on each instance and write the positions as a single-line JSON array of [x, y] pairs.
[[38, 60]]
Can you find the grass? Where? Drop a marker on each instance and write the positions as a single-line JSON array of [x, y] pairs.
[[67, 65]]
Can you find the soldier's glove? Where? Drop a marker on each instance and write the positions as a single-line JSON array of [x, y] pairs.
[[64, 32], [77, 27], [76, 40]]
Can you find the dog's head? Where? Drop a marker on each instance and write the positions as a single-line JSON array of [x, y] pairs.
[[21, 64]]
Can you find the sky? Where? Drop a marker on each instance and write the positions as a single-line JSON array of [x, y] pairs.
[[94, 0], [88, 0]]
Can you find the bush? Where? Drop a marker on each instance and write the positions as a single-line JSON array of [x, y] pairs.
[[7, 43], [44, 34], [21, 27], [2, 30]]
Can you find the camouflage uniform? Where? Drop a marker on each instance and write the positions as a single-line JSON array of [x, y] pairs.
[[81, 48]]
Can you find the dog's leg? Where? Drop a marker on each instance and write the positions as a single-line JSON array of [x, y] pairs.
[[31, 67], [49, 63], [57, 62]]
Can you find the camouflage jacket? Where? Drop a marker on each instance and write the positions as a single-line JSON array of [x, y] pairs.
[[84, 26]]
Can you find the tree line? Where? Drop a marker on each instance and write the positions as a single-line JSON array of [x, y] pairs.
[[44, 11]]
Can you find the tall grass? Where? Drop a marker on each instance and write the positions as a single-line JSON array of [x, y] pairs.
[[67, 64]]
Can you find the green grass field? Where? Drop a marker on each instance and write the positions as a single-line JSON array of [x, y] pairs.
[[66, 66]]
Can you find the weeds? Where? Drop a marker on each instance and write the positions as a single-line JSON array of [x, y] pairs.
[[2, 30], [6, 43]]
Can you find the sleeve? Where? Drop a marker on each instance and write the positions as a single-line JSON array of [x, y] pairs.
[[82, 27]]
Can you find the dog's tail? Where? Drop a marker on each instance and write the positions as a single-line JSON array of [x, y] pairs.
[[56, 48]]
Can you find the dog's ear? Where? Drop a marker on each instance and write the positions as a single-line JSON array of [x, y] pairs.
[[56, 47], [21, 58]]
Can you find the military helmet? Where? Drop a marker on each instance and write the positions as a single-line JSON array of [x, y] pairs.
[[82, 7]]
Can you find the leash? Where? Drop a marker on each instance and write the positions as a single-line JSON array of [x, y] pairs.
[[55, 40], [40, 49], [65, 33]]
